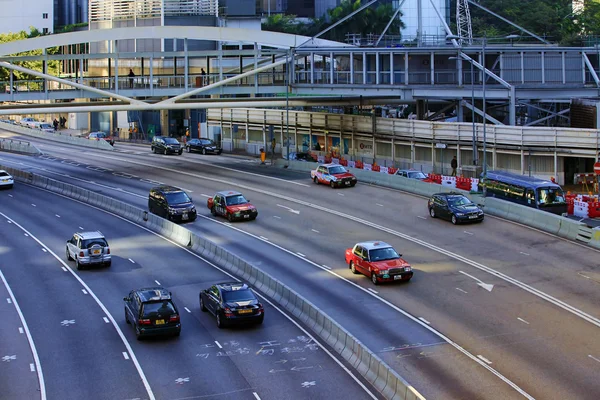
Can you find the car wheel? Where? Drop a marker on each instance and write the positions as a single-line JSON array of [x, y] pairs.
[[213, 211], [177, 334], [230, 217], [315, 180], [332, 184], [454, 220], [108, 264], [153, 149], [180, 152], [69, 258], [165, 152], [374, 279], [352, 184], [220, 323], [353, 268], [261, 320], [204, 151], [202, 306], [138, 334], [432, 212], [188, 149], [77, 264], [127, 318]]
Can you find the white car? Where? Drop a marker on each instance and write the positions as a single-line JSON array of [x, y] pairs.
[[26, 121], [6, 179], [46, 127]]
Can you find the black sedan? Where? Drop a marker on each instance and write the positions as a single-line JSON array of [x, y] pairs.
[[455, 207], [203, 146], [232, 303]]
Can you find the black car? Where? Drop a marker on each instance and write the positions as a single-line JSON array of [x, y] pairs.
[[203, 146], [171, 203], [166, 145], [455, 207], [232, 303], [152, 312]]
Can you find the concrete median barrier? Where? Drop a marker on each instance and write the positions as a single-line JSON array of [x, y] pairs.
[[595, 240], [18, 146]]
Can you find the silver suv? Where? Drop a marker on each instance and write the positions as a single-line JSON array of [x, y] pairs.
[[88, 248]]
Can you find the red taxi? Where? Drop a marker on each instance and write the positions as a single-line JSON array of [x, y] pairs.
[[378, 261], [231, 205], [333, 175]]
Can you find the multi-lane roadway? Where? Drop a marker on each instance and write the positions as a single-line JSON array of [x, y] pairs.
[[495, 310]]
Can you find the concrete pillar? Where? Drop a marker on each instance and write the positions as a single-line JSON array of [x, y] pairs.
[[522, 161], [164, 122]]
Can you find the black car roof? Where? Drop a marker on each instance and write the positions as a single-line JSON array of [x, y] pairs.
[[448, 194], [156, 293], [166, 189], [231, 286]]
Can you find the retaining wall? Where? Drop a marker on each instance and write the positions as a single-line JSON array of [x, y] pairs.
[[18, 146], [57, 137]]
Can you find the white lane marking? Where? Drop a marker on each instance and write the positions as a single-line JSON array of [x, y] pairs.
[[57, 216], [81, 227], [32, 367], [325, 266], [106, 320], [593, 358], [380, 205], [266, 300], [341, 194], [424, 320], [372, 290], [10, 195], [522, 320], [26, 235], [289, 209], [256, 395], [525, 254], [131, 261], [187, 309], [36, 358], [484, 359], [486, 286], [264, 238], [315, 231], [64, 269], [21, 330], [44, 250], [275, 216], [218, 344], [8, 300], [585, 276], [418, 216], [100, 304], [468, 233], [125, 355], [396, 308], [33, 205], [157, 282], [84, 292], [205, 195], [301, 255]]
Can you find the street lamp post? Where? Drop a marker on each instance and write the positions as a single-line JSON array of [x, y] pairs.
[[484, 108], [287, 104]]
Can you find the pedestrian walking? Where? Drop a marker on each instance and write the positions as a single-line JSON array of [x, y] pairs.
[[454, 165], [203, 75], [55, 123], [131, 75]]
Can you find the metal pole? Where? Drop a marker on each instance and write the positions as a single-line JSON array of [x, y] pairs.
[[475, 155], [484, 110], [287, 105]]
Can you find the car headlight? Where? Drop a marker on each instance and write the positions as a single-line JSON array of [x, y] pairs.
[[172, 210], [333, 178], [407, 269], [480, 212]]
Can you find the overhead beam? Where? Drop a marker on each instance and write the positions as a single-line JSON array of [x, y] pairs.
[[480, 113]]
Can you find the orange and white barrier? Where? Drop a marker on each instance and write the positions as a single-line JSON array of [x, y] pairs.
[[581, 209], [449, 181], [368, 167], [383, 169], [474, 184]]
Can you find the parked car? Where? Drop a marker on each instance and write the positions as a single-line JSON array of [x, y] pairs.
[[165, 145], [88, 249], [455, 207], [26, 121], [333, 175], [378, 261], [101, 135], [152, 312], [231, 205], [45, 127], [171, 203], [203, 146], [232, 303], [6, 180]]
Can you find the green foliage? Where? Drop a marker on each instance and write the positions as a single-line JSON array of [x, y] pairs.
[[53, 66], [71, 27]]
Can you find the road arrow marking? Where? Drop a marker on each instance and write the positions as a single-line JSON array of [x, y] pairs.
[[289, 209], [276, 370], [281, 362], [299, 359], [486, 286], [67, 322], [299, 368]]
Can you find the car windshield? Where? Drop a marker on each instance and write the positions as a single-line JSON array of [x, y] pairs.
[[46, 126], [87, 243], [159, 308], [387, 253], [207, 142], [337, 170], [2, 173], [170, 140], [238, 295], [550, 196], [235, 200], [456, 201], [417, 175], [177, 198]]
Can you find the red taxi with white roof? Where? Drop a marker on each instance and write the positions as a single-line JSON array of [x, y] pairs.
[[334, 175], [231, 205], [378, 261]]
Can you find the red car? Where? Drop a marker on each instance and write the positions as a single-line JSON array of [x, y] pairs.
[[231, 205], [378, 261], [333, 175]]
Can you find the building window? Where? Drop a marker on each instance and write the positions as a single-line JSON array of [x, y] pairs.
[[45, 15], [45, 31]]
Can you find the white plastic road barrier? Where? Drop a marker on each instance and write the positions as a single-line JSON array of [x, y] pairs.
[[352, 164], [581, 209], [367, 167], [384, 170], [335, 160], [449, 181], [474, 184]]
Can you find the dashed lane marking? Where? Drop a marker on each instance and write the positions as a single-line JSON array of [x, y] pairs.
[[301, 255], [106, 320], [125, 355], [64, 269], [315, 231], [44, 250], [157, 282], [460, 290], [372, 290], [131, 261], [187, 309], [84, 291], [418, 216], [485, 360], [218, 344], [325, 266], [424, 320], [264, 238]]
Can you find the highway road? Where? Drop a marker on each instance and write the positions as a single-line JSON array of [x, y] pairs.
[[537, 326], [85, 349]]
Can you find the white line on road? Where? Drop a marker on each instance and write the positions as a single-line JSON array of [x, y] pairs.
[[256, 395], [57, 216], [289, 209], [585, 276], [460, 290], [131, 261], [10, 195], [593, 358], [372, 290], [84, 291], [157, 282], [125, 355], [275, 216], [218, 344], [33, 205], [81, 227], [341, 194], [26, 235], [468, 233], [44, 250], [522, 320], [21, 330], [315, 231], [36, 358], [380, 205], [485, 360], [8, 300], [205, 195], [106, 320], [264, 238], [301, 255], [32, 367], [424, 320], [187, 309], [418, 216], [325, 266], [64, 269], [525, 254], [486, 286]]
